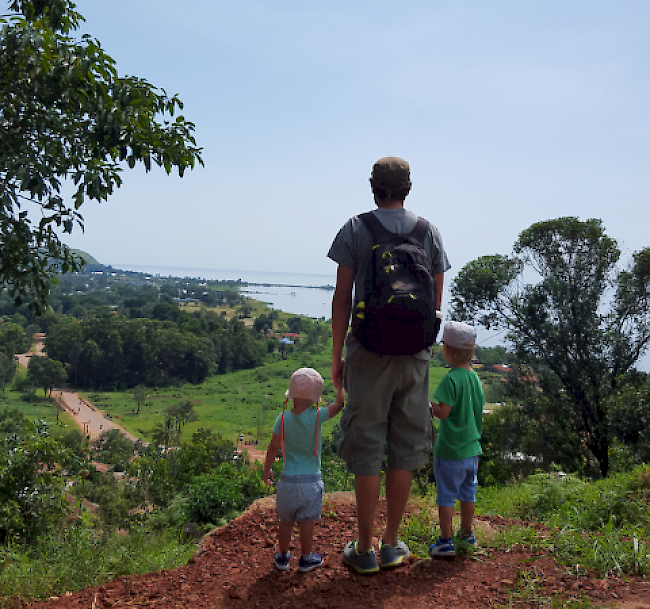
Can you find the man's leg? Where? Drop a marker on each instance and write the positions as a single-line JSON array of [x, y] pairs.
[[398, 489], [367, 493]]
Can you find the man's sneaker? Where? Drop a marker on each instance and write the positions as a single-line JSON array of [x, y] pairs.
[[469, 539], [392, 556], [281, 560], [442, 548], [365, 563], [310, 562]]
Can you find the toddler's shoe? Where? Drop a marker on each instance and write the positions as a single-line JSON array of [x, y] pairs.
[[364, 563], [310, 562], [392, 556], [281, 560], [469, 539], [442, 548]]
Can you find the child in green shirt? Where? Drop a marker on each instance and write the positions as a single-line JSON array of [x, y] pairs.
[[460, 410]]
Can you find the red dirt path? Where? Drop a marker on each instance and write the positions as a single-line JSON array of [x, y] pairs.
[[233, 569]]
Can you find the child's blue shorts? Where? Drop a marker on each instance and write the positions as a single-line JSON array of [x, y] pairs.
[[455, 479], [299, 498]]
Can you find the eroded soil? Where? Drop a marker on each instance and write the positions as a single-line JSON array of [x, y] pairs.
[[233, 568]]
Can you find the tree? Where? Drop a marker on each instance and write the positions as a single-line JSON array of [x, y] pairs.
[[31, 478], [629, 418], [68, 118], [7, 370], [64, 342], [579, 327], [165, 434], [139, 395], [295, 324], [46, 373], [12, 338], [114, 447]]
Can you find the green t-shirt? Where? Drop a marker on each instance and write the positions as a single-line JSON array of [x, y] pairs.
[[460, 433], [300, 440]]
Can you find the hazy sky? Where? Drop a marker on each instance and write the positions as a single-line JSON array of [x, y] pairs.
[[509, 113]]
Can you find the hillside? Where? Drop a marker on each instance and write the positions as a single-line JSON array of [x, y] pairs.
[[86, 256], [233, 568]]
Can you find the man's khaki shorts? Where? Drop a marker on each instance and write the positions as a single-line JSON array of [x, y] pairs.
[[387, 413]]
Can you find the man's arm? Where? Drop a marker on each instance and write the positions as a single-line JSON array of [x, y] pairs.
[[341, 308], [438, 279]]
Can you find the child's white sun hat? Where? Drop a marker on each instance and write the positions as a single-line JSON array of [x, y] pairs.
[[305, 383]]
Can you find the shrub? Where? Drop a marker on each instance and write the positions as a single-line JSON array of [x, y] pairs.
[[223, 493]]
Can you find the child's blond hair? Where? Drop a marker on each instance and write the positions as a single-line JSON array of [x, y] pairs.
[[458, 356]]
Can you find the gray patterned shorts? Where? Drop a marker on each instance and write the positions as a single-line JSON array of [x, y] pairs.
[[299, 498]]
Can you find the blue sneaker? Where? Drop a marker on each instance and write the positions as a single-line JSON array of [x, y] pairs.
[[310, 562], [281, 560], [442, 548], [469, 539]]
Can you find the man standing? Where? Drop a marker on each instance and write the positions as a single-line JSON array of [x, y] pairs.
[[387, 412]]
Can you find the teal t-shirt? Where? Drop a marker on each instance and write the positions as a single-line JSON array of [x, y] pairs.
[[300, 436], [459, 434]]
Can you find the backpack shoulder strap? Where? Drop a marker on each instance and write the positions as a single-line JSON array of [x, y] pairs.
[[375, 227], [420, 231]]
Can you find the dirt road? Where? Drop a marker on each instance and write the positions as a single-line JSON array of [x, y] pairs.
[[84, 413]]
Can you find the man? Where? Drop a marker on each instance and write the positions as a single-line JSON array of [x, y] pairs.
[[387, 412]]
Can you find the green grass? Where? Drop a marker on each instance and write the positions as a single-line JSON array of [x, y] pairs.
[[36, 408], [599, 526], [229, 403], [77, 558]]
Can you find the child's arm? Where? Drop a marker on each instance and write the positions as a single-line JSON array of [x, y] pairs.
[[271, 454], [440, 410], [338, 404]]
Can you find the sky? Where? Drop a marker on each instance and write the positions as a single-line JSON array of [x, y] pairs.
[[508, 112]]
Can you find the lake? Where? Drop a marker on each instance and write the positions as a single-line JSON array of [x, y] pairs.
[[298, 293]]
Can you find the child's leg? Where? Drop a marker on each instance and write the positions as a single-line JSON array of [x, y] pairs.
[[466, 517], [284, 535], [467, 495], [306, 536], [445, 516], [446, 493]]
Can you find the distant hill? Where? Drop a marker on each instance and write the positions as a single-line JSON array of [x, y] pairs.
[[87, 257]]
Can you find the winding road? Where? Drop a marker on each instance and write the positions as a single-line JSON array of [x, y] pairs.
[[91, 421]]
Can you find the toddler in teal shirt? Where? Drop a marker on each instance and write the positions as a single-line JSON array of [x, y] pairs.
[[299, 494]]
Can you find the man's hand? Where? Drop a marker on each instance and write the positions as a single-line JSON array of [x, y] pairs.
[[268, 477], [337, 373]]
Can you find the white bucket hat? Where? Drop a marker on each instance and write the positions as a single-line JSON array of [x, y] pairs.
[[459, 335], [305, 383]]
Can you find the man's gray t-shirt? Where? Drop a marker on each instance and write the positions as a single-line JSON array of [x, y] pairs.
[[352, 249]]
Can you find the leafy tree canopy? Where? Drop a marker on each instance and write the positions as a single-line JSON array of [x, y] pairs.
[[574, 317], [67, 117], [46, 373]]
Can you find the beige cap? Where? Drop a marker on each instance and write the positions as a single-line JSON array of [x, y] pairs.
[[459, 335]]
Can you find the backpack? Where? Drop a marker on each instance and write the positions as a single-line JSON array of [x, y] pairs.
[[397, 315]]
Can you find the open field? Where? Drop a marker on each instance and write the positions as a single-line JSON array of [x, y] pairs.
[[36, 408], [229, 404]]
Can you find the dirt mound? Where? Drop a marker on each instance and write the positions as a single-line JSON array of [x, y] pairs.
[[233, 568]]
